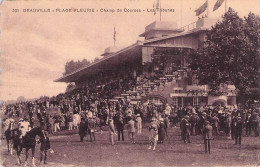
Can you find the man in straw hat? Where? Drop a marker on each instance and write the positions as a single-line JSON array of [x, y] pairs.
[[131, 129], [139, 123], [111, 130], [153, 133]]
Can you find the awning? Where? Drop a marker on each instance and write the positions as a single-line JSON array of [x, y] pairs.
[[128, 54]]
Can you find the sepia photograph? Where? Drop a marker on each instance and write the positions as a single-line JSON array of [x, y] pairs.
[[129, 83]]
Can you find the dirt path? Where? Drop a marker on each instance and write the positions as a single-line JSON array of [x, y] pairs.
[[68, 151]]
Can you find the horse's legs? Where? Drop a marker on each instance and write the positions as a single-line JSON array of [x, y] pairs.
[[18, 158], [18, 152], [41, 156], [26, 156], [33, 162], [11, 147], [7, 141]]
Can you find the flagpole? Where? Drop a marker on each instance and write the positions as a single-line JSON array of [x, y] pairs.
[[207, 8], [160, 11], [181, 13], [114, 35], [225, 6]]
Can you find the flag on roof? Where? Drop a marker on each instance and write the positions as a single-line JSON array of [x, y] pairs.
[[156, 5], [218, 4], [114, 33], [202, 8]]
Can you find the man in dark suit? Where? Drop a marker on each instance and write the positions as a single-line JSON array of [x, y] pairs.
[[193, 122], [120, 126], [185, 129], [215, 121], [45, 146], [207, 136], [255, 123], [238, 130], [82, 129]]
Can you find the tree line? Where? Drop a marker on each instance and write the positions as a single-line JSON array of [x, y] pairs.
[[72, 65], [231, 55]]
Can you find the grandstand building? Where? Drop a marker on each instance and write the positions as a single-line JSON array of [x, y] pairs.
[[160, 66]]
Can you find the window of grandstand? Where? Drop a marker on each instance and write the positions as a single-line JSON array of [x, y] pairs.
[[195, 80], [180, 102], [195, 101], [229, 100], [175, 101], [187, 101], [178, 90], [154, 100], [203, 100]]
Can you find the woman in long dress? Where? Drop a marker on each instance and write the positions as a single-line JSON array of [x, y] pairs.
[[153, 133], [161, 131]]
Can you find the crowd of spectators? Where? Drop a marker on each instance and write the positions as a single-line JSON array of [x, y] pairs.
[[96, 99]]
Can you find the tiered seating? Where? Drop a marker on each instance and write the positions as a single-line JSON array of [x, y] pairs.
[[147, 85]]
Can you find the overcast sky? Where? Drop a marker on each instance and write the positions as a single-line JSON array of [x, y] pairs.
[[36, 46]]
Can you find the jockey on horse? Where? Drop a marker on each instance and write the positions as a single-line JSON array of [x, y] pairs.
[[7, 123], [27, 139], [23, 127]]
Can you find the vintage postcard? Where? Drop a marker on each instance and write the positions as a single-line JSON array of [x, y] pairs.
[[129, 82]]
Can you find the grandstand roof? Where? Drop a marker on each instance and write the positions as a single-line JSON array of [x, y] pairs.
[[130, 53], [133, 52], [195, 30], [199, 26]]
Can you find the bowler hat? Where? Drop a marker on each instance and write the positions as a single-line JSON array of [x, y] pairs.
[[206, 122]]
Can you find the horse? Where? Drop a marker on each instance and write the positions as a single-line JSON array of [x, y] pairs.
[[28, 142], [9, 135], [99, 121]]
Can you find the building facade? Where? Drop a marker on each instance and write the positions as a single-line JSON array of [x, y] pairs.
[[160, 66]]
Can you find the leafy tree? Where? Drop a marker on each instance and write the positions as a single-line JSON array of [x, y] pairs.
[[21, 99], [230, 54], [70, 87], [96, 59], [72, 66]]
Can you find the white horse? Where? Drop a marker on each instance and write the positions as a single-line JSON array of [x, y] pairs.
[[10, 134]]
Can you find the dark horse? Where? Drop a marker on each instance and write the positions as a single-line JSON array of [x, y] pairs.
[[9, 135], [28, 142], [100, 121]]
